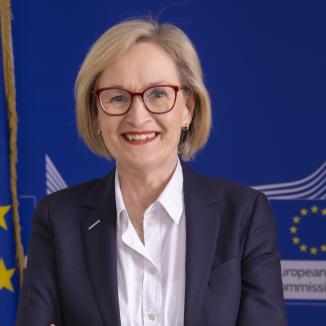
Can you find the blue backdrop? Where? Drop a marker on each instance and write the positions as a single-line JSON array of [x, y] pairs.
[[265, 68]]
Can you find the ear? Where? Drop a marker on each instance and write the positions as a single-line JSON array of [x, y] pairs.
[[190, 107]]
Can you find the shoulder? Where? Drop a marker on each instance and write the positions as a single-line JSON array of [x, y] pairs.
[[77, 196], [73, 193], [236, 204], [240, 209], [224, 187], [217, 189]]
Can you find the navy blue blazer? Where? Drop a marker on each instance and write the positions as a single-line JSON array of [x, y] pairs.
[[232, 262]]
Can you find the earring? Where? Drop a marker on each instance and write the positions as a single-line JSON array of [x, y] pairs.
[[185, 128], [99, 131]]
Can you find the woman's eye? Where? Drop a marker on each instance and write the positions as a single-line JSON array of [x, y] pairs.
[[158, 94], [118, 99]]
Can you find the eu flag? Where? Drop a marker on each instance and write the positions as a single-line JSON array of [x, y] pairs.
[[10, 243], [8, 272]]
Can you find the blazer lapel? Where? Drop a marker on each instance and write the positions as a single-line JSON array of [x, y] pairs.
[[202, 228], [99, 233]]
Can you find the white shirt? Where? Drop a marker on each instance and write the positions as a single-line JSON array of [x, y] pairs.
[[151, 277]]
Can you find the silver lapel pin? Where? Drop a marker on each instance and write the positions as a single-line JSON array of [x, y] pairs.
[[94, 224]]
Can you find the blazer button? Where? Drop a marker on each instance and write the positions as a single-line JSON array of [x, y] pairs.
[[151, 316], [152, 270]]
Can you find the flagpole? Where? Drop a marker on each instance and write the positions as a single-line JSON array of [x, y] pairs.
[[10, 92]]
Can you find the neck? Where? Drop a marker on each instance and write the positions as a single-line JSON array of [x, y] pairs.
[[142, 187]]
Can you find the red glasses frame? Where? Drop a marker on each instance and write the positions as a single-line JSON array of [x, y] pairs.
[[97, 93]]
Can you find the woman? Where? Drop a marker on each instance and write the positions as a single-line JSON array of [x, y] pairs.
[[152, 243]]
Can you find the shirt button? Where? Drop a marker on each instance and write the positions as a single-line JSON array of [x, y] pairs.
[[153, 270], [150, 223], [151, 316]]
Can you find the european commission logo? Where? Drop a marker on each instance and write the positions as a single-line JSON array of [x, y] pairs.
[[300, 208]]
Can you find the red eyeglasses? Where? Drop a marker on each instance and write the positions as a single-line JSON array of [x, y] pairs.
[[157, 99]]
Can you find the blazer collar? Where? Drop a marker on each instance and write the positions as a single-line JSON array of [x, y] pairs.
[[202, 227]]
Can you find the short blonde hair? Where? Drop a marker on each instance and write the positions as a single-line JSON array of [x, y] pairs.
[[114, 43]]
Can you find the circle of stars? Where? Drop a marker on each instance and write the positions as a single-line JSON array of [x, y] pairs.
[[294, 228]]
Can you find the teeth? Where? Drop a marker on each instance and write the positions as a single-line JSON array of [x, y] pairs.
[[140, 137]]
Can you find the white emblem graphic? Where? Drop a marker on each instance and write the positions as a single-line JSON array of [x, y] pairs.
[[312, 187], [54, 180]]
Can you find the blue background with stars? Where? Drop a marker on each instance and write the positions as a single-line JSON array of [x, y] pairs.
[[265, 68], [310, 228]]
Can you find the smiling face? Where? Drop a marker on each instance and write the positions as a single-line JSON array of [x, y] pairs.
[[140, 139]]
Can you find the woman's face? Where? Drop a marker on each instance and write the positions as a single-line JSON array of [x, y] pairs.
[[144, 65]]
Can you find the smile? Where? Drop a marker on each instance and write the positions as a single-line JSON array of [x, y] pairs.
[[140, 137]]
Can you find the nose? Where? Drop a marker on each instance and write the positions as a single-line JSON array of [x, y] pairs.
[[138, 113]]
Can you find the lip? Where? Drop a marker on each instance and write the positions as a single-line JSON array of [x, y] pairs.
[[143, 132]]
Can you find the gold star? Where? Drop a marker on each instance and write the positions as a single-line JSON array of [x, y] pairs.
[[5, 276], [296, 219], [303, 247], [304, 212], [296, 240], [324, 212], [323, 248], [314, 209], [313, 251], [3, 211], [293, 229]]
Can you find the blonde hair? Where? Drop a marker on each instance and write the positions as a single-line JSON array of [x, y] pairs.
[[114, 43]]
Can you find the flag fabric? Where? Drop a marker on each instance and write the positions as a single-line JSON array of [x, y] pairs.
[[11, 250], [9, 280]]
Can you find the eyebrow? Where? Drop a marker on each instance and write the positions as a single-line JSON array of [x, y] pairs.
[[155, 83]]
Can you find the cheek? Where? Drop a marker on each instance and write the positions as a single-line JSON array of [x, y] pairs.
[[100, 118], [173, 126], [182, 110], [180, 117], [106, 123]]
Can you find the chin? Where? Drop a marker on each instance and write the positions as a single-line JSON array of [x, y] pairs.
[[142, 162]]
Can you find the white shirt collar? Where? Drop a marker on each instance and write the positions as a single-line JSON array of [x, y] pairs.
[[171, 198]]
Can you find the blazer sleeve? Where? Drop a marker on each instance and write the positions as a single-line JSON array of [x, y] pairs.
[[39, 303], [262, 292]]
